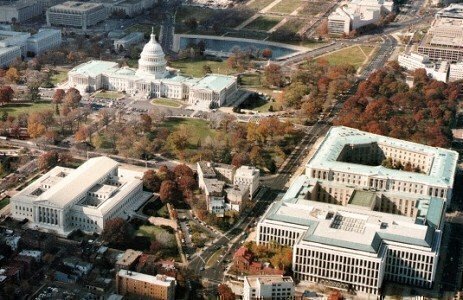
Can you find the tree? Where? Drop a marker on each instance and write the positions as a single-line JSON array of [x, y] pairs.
[[267, 53], [207, 69], [48, 160], [273, 75], [33, 93], [155, 247], [240, 159], [12, 75], [179, 138], [292, 95], [168, 191], [225, 292], [82, 134], [182, 170], [191, 23], [151, 181], [35, 127], [58, 96], [6, 94], [146, 122], [117, 231], [72, 98]]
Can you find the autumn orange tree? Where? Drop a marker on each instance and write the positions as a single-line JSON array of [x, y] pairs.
[[384, 104], [6, 94]]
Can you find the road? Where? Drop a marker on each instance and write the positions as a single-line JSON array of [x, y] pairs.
[[391, 28], [229, 242], [381, 56]]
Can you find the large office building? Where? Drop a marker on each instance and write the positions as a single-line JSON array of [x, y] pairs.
[[444, 40], [456, 72], [143, 286], [354, 219], [453, 11], [15, 45], [44, 40], [130, 8], [19, 11], [64, 199], [357, 13], [275, 287], [153, 79], [76, 14], [412, 61]]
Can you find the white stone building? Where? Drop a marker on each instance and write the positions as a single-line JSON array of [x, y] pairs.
[[44, 40], [85, 198], [15, 44], [19, 11], [153, 79], [357, 13], [128, 40], [456, 72], [247, 176], [354, 223], [8, 55], [76, 14], [438, 70], [268, 287]]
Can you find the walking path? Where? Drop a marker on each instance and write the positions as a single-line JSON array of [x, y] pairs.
[[255, 16]]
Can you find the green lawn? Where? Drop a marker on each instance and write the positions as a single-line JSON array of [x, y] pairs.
[[198, 129], [286, 6], [59, 77], [167, 102], [132, 62], [154, 232], [351, 55], [264, 23], [14, 109], [194, 66], [259, 4], [108, 95], [145, 28], [250, 80], [293, 25], [4, 202], [186, 12]]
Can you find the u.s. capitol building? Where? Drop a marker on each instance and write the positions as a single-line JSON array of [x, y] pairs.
[[354, 221], [153, 79], [64, 199]]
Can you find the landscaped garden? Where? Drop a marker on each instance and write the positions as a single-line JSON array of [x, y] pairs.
[[167, 102]]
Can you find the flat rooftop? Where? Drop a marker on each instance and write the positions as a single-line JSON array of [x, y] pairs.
[[363, 198], [207, 168], [441, 172], [349, 227], [94, 68], [161, 280], [76, 6], [257, 280], [215, 82]]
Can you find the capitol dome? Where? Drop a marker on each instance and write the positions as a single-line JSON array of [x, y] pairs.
[[152, 60]]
